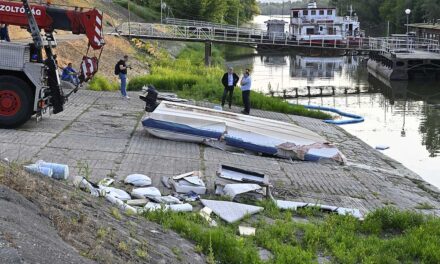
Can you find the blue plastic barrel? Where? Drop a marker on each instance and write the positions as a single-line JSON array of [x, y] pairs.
[[60, 171], [36, 169]]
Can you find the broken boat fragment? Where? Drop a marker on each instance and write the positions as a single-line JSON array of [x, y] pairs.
[[290, 205], [233, 190], [188, 182], [205, 212], [229, 211], [246, 231]]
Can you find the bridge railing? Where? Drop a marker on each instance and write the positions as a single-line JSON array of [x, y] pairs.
[[407, 44], [243, 37], [232, 35], [205, 24]]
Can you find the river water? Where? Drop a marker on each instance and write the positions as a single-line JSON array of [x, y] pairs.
[[405, 116]]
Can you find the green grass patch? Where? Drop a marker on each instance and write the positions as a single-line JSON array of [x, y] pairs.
[[101, 83], [225, 245], [189, 78], [387, 235], [144, 12]]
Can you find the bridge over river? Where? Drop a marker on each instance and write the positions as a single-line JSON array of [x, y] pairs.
[[390, 52]]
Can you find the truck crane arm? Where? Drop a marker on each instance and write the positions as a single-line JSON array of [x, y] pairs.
[[41, 86], [50, 18]]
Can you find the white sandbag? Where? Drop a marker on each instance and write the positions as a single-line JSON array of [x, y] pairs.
[[141, 193], [165, 207], [117, 193], [181, 207], [138, 180], [246, 231], [166, 199], [154, 206], [120, 204], [83, 184]]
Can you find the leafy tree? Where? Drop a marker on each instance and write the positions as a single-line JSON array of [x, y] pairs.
[[209, 10]]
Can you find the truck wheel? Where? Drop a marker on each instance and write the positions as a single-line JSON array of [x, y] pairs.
[[15, 102]]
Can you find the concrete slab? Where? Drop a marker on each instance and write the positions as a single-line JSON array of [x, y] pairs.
[[87, 142], [18, 152], [25, 137]]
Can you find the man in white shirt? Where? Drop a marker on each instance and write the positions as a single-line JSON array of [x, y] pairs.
[[229, 81], [246, 83]]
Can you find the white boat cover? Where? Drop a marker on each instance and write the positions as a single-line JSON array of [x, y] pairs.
[[183, 122]]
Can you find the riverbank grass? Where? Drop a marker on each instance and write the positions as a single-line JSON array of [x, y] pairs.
[[385, 236], [190, 79], [101, 83]]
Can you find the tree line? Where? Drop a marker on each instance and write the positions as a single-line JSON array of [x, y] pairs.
[[282, 8], [220, 11], [374, 15]]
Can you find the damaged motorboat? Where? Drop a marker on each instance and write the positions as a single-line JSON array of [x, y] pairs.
[[182, 122]]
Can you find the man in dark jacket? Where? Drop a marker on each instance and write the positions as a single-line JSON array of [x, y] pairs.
[[229, 81]]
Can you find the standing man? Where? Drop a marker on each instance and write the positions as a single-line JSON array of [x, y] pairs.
[[4, 33], [246, 83], [121, 70], [229, 81]]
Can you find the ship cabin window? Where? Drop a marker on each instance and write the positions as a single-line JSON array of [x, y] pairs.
[[321, 28], [321, 12], [313, 12], [329, 12], [295, 14], [310, 31], [305, 12]]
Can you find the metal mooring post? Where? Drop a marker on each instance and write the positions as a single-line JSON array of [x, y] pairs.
[[208, 53]]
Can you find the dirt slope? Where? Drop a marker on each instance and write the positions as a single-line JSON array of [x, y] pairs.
[[46, 221], [27, 236], [114, 50], [71, 48]]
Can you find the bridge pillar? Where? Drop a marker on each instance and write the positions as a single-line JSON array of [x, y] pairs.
[[208, 53]]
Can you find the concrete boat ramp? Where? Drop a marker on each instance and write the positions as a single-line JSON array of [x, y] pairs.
[[100, 135]]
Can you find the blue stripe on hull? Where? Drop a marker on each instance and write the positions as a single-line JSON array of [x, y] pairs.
[[230, 141], [238, 143], [179, 128]]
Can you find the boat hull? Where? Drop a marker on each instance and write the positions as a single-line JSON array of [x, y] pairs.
[[187, 123]]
